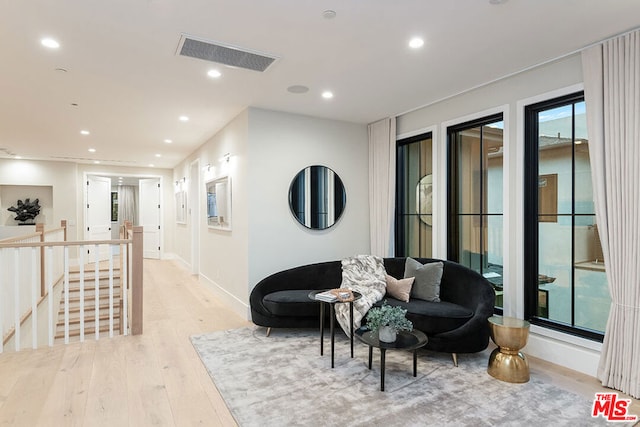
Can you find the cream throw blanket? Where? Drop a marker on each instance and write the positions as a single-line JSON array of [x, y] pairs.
[[364, 274]]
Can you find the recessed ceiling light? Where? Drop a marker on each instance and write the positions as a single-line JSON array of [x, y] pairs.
[[74, 104], [329, 14], [158, 155], [120, 178], [298, 89], [60, 69], [18, 157], [97, 162], [327, 94], [151, 165], [85, 132], [168, 141], [184, 118], [214, 74], [50, 43], [92, 150], [416, 43]]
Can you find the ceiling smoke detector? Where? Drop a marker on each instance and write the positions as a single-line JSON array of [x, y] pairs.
[[224, 54]]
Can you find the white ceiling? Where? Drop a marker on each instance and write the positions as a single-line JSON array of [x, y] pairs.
[[130, 86]]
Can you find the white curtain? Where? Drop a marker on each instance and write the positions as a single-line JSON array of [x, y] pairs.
[[612, 95], [382, 178], [127, 205]]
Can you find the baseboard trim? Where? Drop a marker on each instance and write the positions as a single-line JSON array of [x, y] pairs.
[[237, 306]]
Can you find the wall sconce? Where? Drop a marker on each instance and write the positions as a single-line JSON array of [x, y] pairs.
[[225, 157], [207, 167]]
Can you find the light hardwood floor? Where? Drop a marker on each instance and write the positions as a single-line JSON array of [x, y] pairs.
[[155, 378]]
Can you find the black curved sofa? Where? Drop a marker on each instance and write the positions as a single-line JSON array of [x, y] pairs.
[[456, 324]]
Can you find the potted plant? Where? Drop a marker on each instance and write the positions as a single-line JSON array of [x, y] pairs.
[[388, 320]]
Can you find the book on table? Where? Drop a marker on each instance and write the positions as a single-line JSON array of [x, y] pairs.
[[326, 296], [333, 295]]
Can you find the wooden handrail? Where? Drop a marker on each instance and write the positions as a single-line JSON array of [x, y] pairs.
[[54, 230], [69, 243], [10, 240]]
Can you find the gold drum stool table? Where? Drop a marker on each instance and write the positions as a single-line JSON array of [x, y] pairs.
[[506, 362]]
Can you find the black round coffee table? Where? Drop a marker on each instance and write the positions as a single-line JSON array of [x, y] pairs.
[[410, 341]]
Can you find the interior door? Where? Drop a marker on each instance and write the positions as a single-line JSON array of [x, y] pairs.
[[98, 214], [150, 216]]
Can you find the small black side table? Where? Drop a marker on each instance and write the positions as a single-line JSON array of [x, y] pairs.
[[312, 295], [406, 341]]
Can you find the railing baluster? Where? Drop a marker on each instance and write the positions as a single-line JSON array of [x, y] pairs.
[[50, 292], [81, 293], [16, 299], [66, 294], [96, 270], [111, 292], [124, 286], [34, 274], [35, 278]]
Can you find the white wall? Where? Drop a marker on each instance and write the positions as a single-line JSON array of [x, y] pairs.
[[223, 254], [267, 150], [280, 146], [562, 349], [60, 176]]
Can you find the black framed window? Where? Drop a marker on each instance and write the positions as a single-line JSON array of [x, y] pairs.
[[565, 279], [475, 207], [414, 181]]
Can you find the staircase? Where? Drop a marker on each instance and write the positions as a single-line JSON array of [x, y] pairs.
[[90, 305]]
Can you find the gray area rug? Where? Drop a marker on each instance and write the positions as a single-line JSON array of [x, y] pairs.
[[282, 380]]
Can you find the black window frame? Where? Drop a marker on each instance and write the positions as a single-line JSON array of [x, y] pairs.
[[453, 232], [399, 227], [531, 236]]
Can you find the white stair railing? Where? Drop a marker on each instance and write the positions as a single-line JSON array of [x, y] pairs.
[[33, 273]]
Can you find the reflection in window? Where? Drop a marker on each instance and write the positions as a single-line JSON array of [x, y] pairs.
[[564, 274], [414, 185], [475, 201]]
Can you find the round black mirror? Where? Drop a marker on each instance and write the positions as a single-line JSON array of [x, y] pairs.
[[317, 197]]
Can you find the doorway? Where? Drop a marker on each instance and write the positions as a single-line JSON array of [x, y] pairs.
[[112, 199]]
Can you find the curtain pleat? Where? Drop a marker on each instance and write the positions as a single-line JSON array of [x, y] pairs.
[[382, 171], [612, 94], [127, 206]]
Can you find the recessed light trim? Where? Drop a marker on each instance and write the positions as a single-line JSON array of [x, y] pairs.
[[329, 14], [183, 118], [158, 155], [327, 94], [151, 165], [85, 132], [298, 89], [168, 141], [50, 43], [91, 150], [214, 74], [97, 162], [416, 43]]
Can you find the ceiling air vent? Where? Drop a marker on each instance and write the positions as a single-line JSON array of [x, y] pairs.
[[227, 55]]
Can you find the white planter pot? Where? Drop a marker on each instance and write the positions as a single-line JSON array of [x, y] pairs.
[[387, 334]]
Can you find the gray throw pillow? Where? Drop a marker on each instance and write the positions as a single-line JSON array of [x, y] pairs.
[[428, 276]]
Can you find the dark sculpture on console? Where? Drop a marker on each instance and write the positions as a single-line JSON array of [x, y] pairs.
[[25, 211]]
